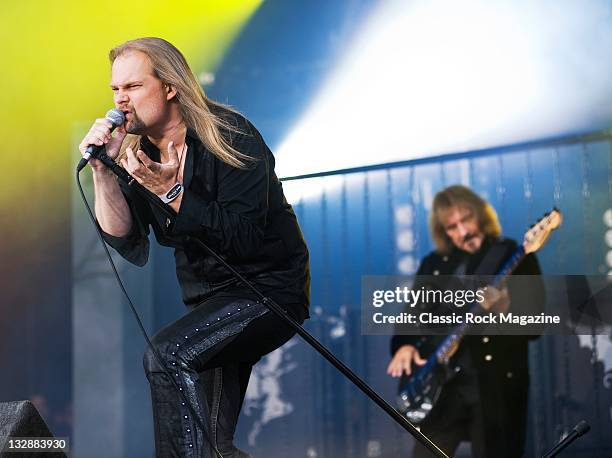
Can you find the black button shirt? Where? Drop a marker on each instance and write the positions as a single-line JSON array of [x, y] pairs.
[[242, 214]]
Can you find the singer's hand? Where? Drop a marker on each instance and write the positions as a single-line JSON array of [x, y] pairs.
[[100, 134], [157, 178]]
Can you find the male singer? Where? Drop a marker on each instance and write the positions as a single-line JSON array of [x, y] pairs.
[[214, 169]]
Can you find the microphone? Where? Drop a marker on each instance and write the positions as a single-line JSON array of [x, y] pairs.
[[116, 168], [579, 430], [117, 118]]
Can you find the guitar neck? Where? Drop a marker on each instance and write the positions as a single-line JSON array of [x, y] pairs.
[[508, 267], [449, 345]]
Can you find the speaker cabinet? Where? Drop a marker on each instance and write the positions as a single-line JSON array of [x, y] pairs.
[[21, 419]]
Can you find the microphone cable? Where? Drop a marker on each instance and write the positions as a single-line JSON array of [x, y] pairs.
[[156, 354]]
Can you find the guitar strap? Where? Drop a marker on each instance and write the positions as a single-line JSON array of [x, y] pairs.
[[467, 385], [488, 266], [491, 261]]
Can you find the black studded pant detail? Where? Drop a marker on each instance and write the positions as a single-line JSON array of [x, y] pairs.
[[209, 352]]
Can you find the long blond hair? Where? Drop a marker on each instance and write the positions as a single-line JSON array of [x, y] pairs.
[[462, 197], [171, 68]]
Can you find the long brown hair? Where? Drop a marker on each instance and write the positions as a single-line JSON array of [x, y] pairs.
[[170, 66], [458, 196]]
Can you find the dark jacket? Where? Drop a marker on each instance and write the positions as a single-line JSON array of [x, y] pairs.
[[242, 214], [497, 366]]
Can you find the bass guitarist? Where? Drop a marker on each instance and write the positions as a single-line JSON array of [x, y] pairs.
[[485, 403]]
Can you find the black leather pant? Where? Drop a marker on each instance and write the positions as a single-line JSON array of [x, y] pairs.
[[209, 352]]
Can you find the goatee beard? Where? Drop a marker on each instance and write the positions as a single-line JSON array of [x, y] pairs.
[[468, 237], [135, 126]]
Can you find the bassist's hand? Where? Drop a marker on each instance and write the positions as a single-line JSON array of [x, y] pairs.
[[403, 359], [496, 300]]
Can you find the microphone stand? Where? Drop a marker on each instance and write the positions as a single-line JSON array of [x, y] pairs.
[[579, 430], [274, 307]]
